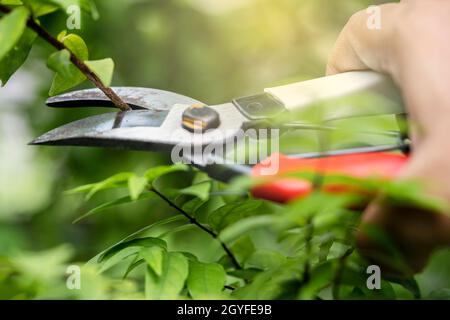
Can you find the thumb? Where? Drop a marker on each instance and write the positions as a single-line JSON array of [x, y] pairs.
[[362, 45]]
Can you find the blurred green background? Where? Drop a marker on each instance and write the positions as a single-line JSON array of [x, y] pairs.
[[212, 50]]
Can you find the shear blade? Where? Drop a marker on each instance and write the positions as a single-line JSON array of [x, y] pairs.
[[95, 130], [148, 130], [135, 97]]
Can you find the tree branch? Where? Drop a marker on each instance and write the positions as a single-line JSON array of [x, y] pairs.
[[32, 24], [308, 249], [337, 279], [198, 224]]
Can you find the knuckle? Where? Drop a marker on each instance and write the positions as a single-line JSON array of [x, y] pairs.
[[356, 20]]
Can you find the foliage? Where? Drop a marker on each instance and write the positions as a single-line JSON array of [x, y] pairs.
[[301, 250], [17, 40]]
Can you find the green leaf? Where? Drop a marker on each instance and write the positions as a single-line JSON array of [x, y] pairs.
[[61, 83], [136, 185], [61, 35], [123, 250], [436, 275], [45, 265], [80, 189], [64, 4], [246, 274], [189, 256], [75, 44], [116, 181], [41, 7], [157, 172], [17, 56], [206, 280], [177, 229], [90, 7], [338, 250], [87, 6], [118, 257], [243, 248], [245, 225], [200, 190], [321, 277], [71, 76], [192, 205], [265, 259], [233, 212], [112, 204], [203, 211], [11, 2], [138, 242], [136, 262], [104, 69], [441, 294], [159, 223], [12, 27], [171, 282], [154, 257], [410, 284], [132, 237], [200, 177], [356, 277], [60, 63], [274, 283], [303, 210], [390, 254]]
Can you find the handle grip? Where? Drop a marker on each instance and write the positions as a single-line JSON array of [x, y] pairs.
[[359, 165], [343, 86]]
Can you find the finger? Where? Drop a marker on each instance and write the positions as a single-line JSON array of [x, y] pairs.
[[364, 41]]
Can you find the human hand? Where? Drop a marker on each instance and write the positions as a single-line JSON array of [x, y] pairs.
[[412, 45]]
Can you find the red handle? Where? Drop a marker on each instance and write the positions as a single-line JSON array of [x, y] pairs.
[[359, 165]]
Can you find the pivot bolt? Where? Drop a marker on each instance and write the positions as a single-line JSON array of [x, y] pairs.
[[200, 118]]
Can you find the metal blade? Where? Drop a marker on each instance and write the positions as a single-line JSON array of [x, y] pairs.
[[150, 130], [137, 98], [92, 131]]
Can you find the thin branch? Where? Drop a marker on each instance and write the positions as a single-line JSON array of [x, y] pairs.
[[336, 285], [115, 99], [198, 224], [337, 279], [229, 288], [308, 250]]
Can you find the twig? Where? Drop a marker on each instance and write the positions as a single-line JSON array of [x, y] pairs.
[[115, 99], [229, 288], [308, 250], [198, 224], [336, 285]]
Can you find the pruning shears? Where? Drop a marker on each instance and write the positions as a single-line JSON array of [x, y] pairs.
[[162, 120]]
